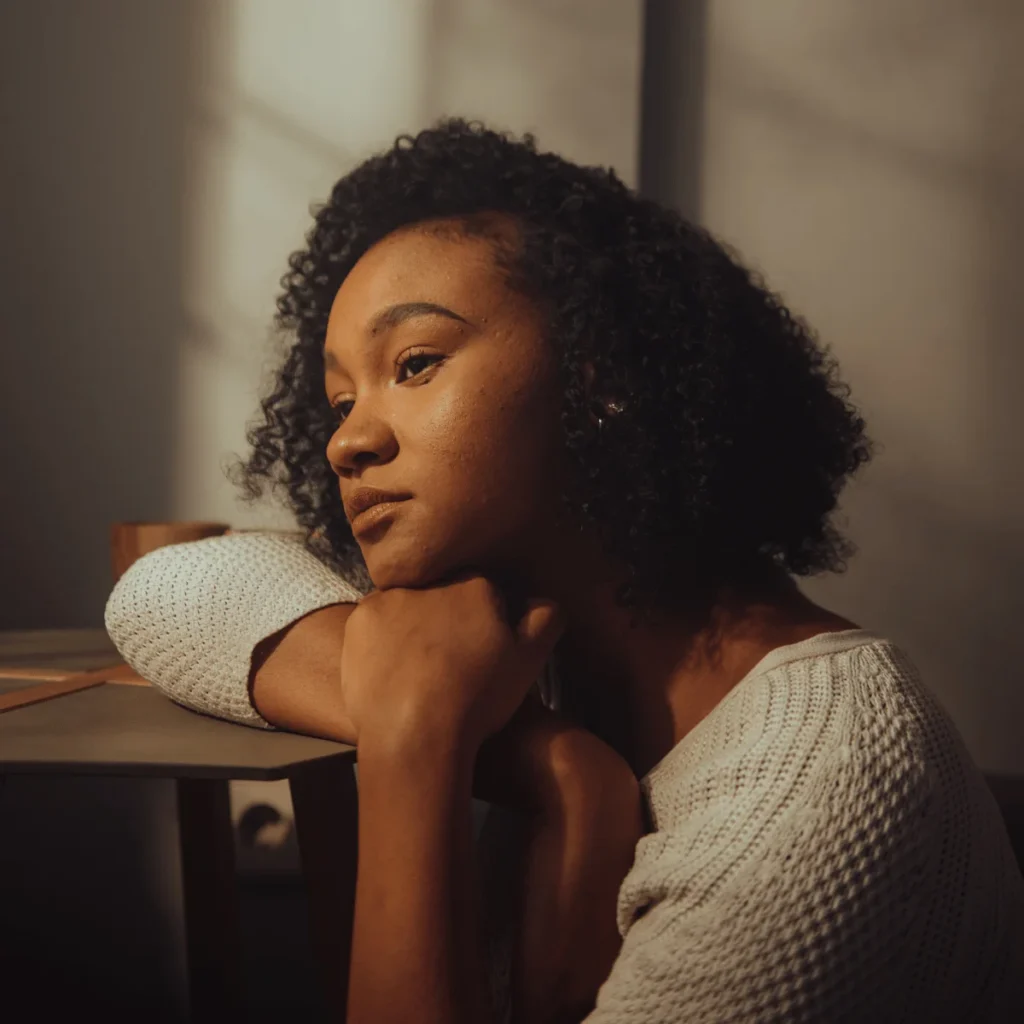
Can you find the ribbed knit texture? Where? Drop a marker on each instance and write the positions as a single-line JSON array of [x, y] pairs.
[[188, 616], [824, 849]]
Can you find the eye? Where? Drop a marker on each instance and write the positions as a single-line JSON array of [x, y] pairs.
[[414, 358], [338, 408], [411, 359]]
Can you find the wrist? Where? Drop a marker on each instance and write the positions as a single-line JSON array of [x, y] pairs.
[[415, 746]]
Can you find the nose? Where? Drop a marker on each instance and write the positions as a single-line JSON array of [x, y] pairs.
[[362, 439]]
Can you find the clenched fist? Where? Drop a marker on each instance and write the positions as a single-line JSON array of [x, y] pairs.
[[445, 660]]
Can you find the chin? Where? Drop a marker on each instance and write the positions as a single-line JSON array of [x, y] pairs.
[[392, 563], [423, 558], [405, 554]]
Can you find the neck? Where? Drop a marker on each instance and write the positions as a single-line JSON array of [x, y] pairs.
[[651, 679]]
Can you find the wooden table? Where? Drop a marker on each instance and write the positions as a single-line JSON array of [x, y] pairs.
[[133, 730]]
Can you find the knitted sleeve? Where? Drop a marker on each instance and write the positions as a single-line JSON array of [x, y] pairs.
[[796, 923], [188, 616], [829, 853], [833, 860]]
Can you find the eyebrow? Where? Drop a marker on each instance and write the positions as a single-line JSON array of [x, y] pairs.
[[391, 316]]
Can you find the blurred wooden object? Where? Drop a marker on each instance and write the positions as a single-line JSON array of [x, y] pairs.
[[213, 945], [62, 721], [130, 541], [38, 692], [326, 805], [56, 650], [50, 655], [117, 673]]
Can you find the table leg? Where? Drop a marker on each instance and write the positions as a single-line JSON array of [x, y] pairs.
[[212, 936], [325, 802]]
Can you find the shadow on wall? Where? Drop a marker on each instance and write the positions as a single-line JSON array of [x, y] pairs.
[[869, 158], [942, 528], [93, 102], [672, 102], [947, 589], [93, 106]]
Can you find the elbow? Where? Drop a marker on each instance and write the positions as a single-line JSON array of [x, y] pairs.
[[123, 613], [139, 618]]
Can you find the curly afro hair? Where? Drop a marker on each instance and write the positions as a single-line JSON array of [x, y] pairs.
[[708, 443]]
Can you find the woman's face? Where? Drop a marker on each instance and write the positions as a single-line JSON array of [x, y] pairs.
[[447, 392]]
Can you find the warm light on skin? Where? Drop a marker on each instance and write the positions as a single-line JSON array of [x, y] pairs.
[[477, 441], [470, 427]]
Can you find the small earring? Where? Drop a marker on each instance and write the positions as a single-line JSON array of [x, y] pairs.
[[608, 406]]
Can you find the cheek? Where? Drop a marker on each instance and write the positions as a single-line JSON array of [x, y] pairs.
[[492, 444], [478, 453]]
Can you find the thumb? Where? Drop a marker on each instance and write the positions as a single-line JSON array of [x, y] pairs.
[[541, 625]]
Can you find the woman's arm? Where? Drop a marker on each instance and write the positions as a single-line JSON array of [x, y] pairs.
[[191, 618], [295, 680], [416, 901], [581, 800], [416, 942], [247, 627], [581, 846]]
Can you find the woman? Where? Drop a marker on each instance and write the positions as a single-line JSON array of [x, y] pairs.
[[533, 425]]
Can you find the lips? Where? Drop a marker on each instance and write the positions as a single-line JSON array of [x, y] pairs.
[[371, 523], [368, 497]]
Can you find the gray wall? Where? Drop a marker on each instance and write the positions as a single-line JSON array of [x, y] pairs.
[[867, 157], [93, 98]]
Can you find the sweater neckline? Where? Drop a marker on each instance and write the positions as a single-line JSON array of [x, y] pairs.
[[817, 646]]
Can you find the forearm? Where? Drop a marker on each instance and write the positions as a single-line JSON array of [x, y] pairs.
[[295, 682], [416, 951], [581, 847]]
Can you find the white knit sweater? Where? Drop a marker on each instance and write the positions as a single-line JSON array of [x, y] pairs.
[[824, 849]]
